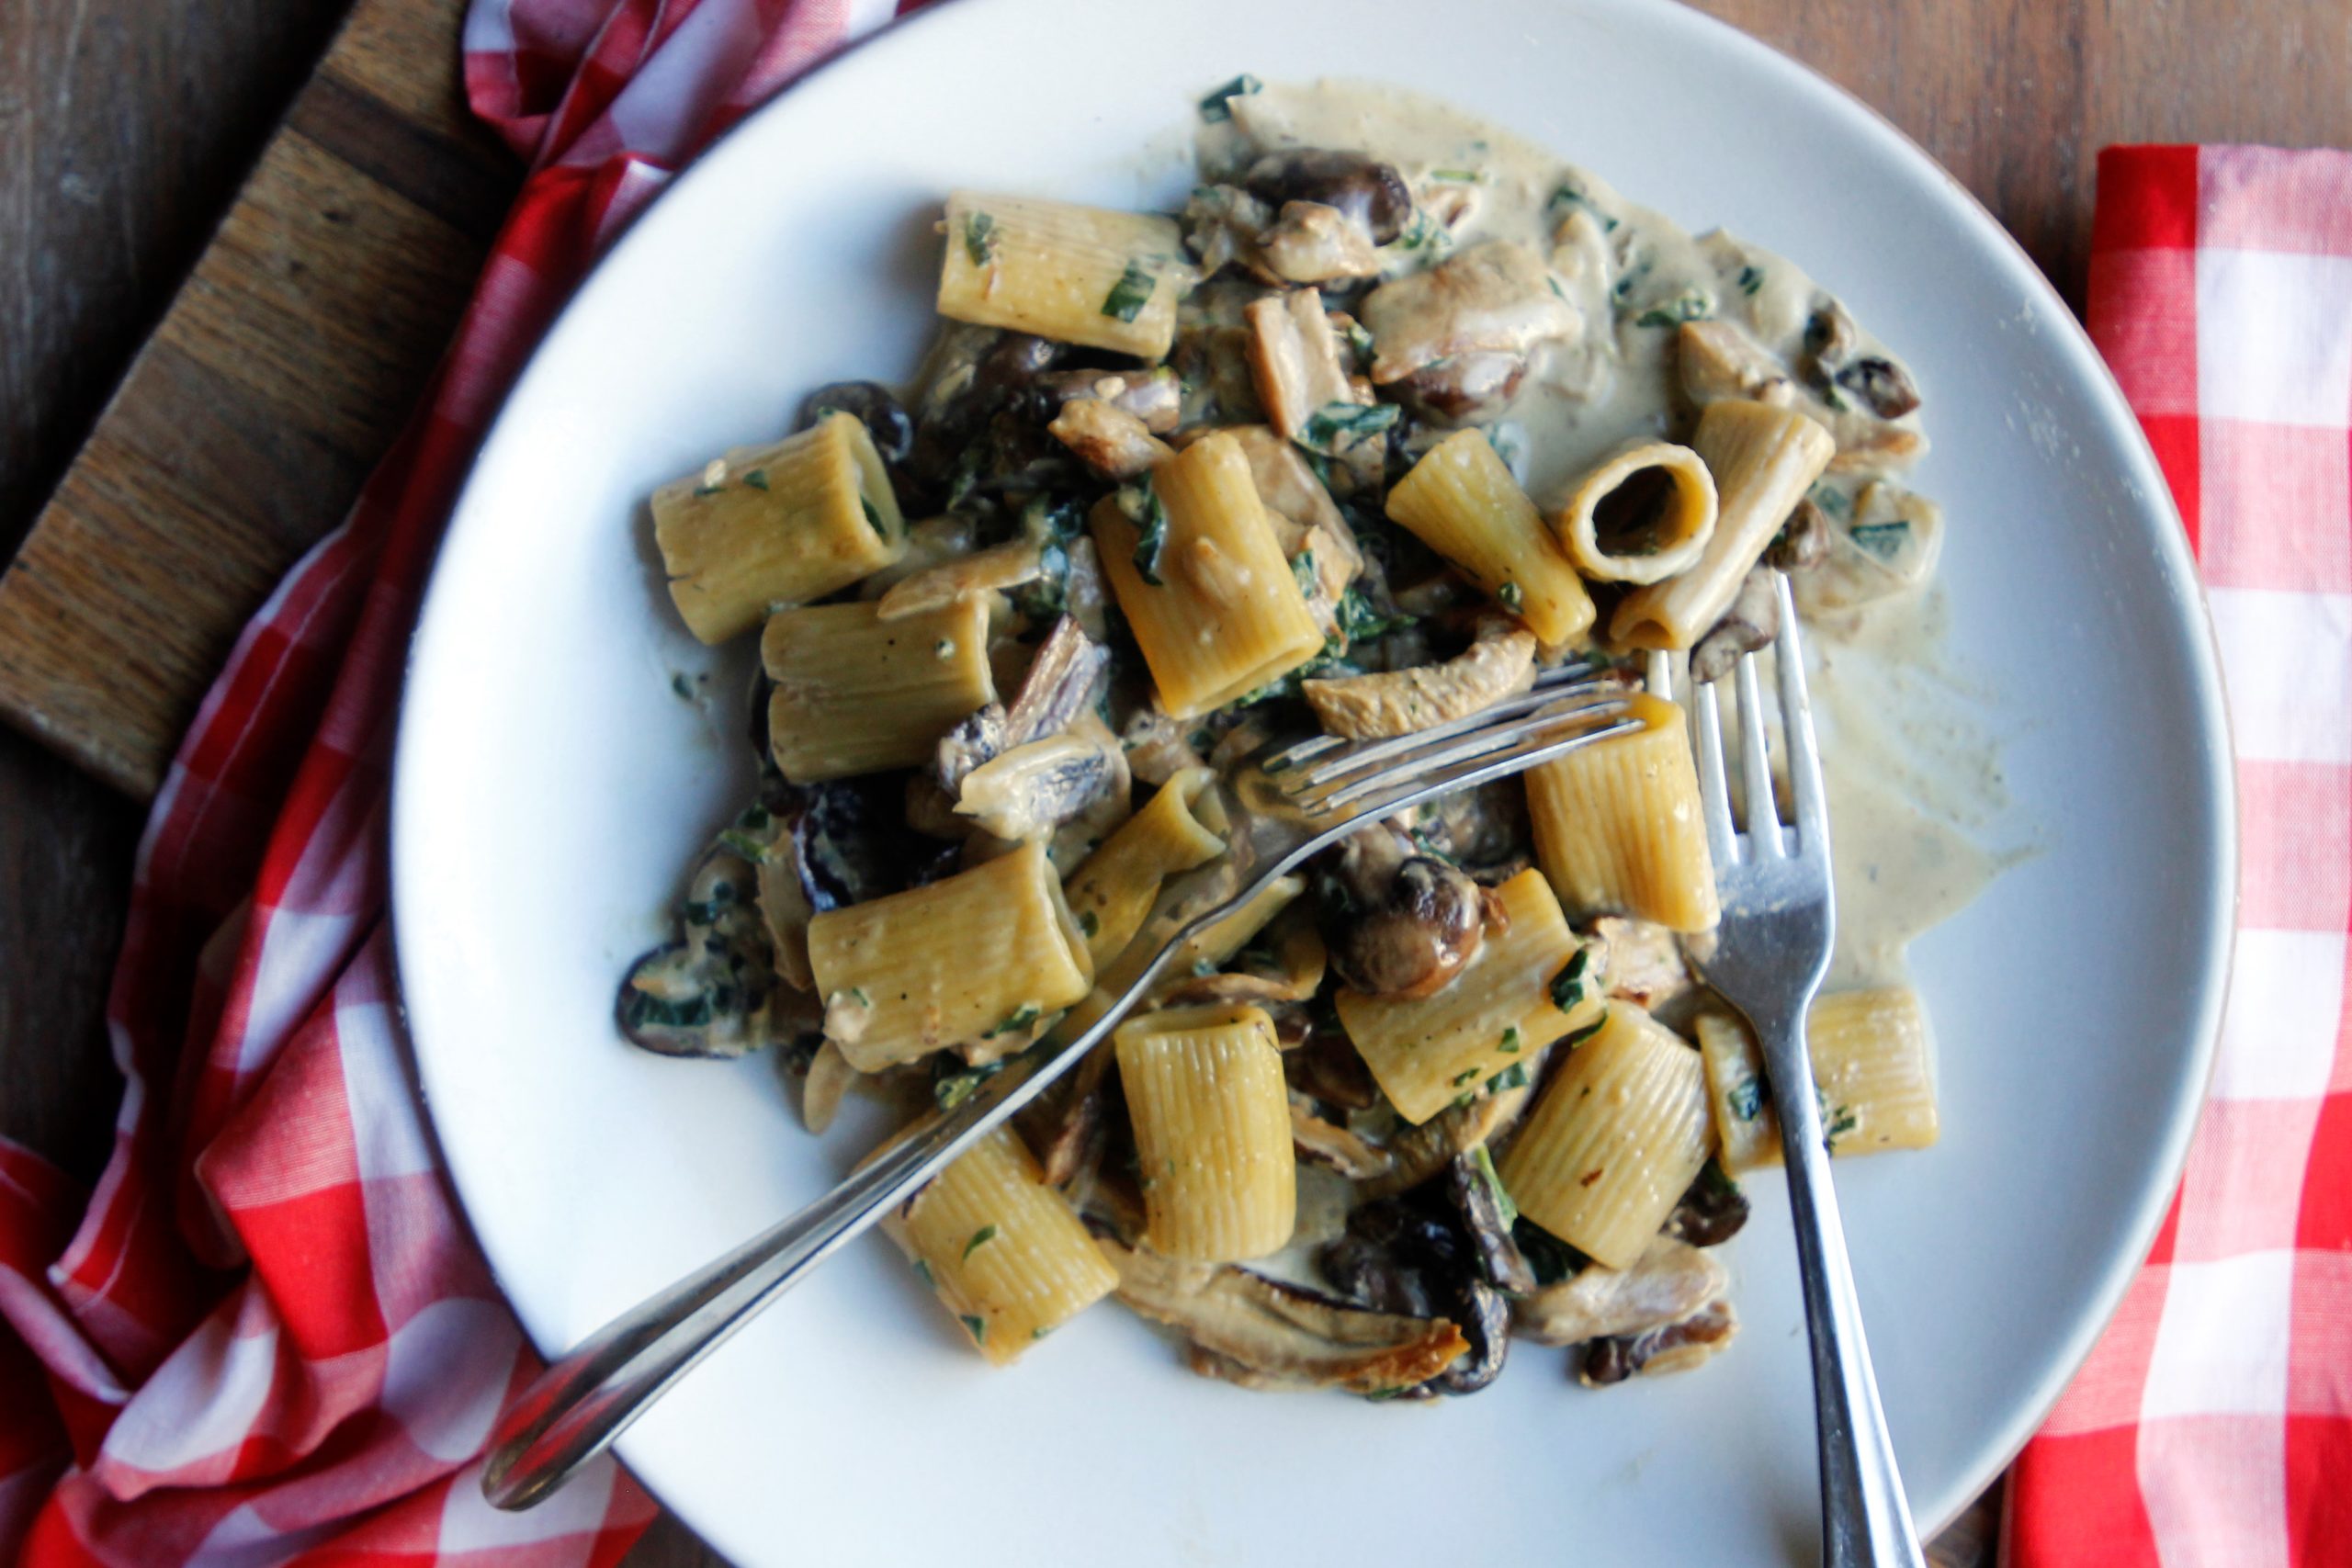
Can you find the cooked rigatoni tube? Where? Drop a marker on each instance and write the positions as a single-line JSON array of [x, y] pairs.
[[1763, 460], [1211, 600], [1212, 1120], [1000, 1249], [976, 957], [1641, 515], [1178, 830], [856, 693], [1617, 824], [1082, 275], [1614, 1140], [1871, 1061], [1461, 502], [1530, 982], [1202, 955], [777, 525]]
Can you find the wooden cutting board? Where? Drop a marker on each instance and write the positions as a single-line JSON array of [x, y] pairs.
[[282, 370]]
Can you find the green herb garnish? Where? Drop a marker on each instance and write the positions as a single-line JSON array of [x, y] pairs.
[[1570, 195], [1019, 1018], [979, 238], [1510, 1040], [1130, 294], [1328, 425], [1088, 924], [1572, 1041], [977, 1326], [872, 518], [1567, 986], [981, 1238], [1746, 1099], [1302, 571], [1482, 1165], [1513, 597], [1885, 540], [1142, 505], [1751, 279], [1690, 305], [1512, 1076], [923, 1269]]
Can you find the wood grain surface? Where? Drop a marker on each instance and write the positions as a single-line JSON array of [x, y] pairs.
[[127, 126]]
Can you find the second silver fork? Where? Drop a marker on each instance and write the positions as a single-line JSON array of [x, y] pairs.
[[1770, 956]]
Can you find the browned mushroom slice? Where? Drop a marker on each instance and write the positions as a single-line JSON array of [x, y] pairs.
[[1369, 194], [1294, 360], [1480, 1204], [1643, 961], [1670, 1280], [1421, 1151], [1287, 485], [982, 572], [1107, 439], [1675, 1348], [1467, 388], [1291, 1337], [1311, 243], [1492, 298], [1396, 923], [1750, 622], [1155, 396], [1326, 1068], [1802, 542], [1026, 790], [1714, 360], [1882, 385], [1067, 1126], [1330, 1145], [1712, 1210], [1057, 686], [1398, 702]]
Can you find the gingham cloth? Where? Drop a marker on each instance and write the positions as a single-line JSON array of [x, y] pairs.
[[268, 1338], [2212, 1426]]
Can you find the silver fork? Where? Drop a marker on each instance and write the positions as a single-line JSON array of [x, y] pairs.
[[1314, 793], [1769, 958]]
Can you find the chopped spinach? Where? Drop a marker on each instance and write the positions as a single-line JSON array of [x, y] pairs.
[[1510, 1040], [1574, 1040], [1751, 279], [1339, 424], [981, 1238], [1885, 540], [1141, 502], [1018, 1019], [1567, 986], [872, 518], [979, 238], [1690, 305], [1551, 1259], [1301, 569], [1088, 924], [977, 1326], [952, 1087], [1214, 108], [756, 478], [1570, 195], [1512, 1076], [1482, 1165], [1513, 597], [1746, 1099], [1130, 294]]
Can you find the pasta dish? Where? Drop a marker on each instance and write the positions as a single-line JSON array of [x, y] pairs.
[[1396, 413]]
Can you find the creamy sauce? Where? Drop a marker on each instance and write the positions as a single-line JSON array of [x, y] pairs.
[[1914, 779]]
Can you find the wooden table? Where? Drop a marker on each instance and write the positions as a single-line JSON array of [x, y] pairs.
[[127, 126]]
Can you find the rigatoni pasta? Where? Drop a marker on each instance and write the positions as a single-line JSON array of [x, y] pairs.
[[981, 960], [1614, 1139], [1872, 1063], [1004, 1252], [1212, 1136], [1617, 824], [1461, 502], [1530, 982], [856, 693], [777, 524], [1763, 459], [1213, 604], [1641, 515], [1178, 830], [1082, 274]]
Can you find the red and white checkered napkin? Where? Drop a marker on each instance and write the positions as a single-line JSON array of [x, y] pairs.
[[2212, 1426], [267, 1337]]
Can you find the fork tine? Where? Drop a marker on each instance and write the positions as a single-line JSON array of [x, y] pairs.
[[1552, 685], [1400, 788], [1796, 731], [1714, 789], [1756, 768], [1501, 735]]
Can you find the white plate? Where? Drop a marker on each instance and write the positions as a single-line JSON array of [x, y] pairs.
[[550, 786]]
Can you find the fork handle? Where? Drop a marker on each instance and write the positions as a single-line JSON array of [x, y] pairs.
[[1865, 1523]]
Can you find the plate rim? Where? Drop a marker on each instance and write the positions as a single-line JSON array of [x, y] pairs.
[[2175, 561]]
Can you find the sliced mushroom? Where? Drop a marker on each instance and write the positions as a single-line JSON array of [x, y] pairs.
[[1711, 1211], [1670, 1280], [1157, 746], [1751, 621], [1331, 1146], [1371, 195], [1830, 340], [1494, 298], [1675, 1348], [1291, 1337], [1882, 386], [1414, 1257], [1715, 360], [1643, 961], [1294, 360], [876, 408], [1399, 702], [1485, 831], [1802, 542], [1287, 486], [1397, 923], [1221, 228], [1421, 1151], [1155, 396], [1311, 243], [1325, 1066], [1479, 1202], [1107, 439], [1028, 790], [1483, 1314], [1057, 687], [1069, 1125], [982, 572], [1466, 388]]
